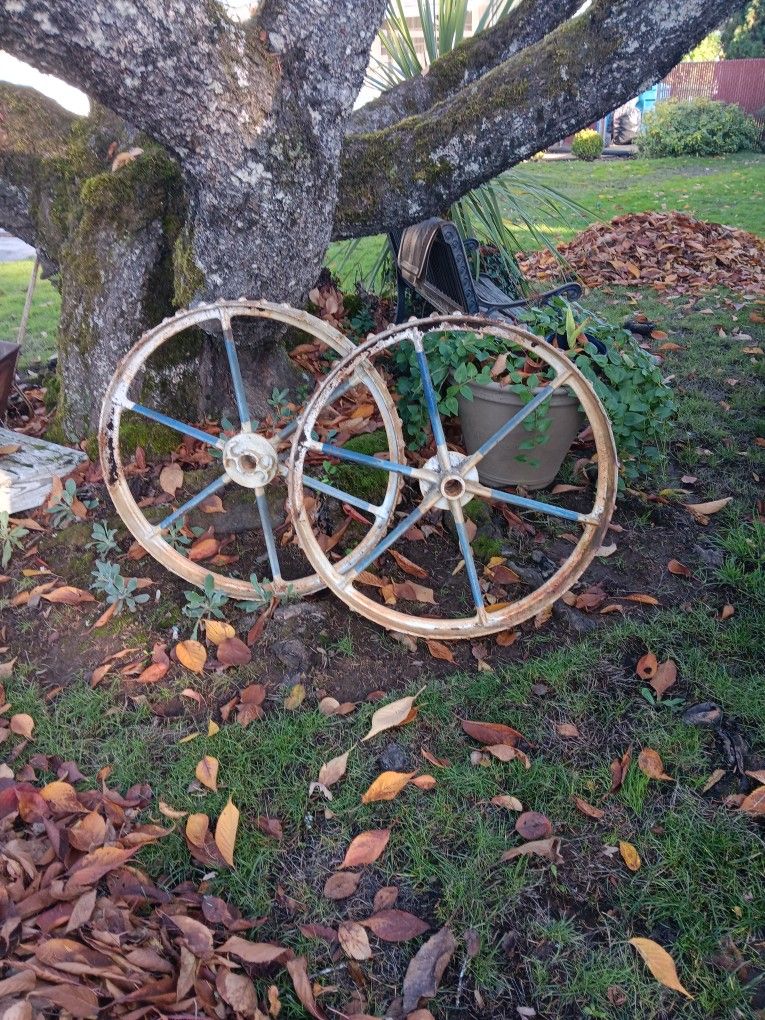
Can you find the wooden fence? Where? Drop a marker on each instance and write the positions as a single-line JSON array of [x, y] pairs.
[[730, 81]]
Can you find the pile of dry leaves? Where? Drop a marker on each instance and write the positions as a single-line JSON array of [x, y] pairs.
[[665, 250]]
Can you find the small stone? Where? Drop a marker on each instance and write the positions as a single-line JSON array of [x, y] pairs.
[[704, 714], [294, 654], [711, 557], [394, 759]]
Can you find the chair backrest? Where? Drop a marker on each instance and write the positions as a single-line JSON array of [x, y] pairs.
[[431, 260]]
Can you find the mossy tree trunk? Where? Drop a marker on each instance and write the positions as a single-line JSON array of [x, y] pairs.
[[253, 157]]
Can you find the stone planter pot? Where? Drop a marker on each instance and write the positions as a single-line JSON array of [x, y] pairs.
[[493, 405]]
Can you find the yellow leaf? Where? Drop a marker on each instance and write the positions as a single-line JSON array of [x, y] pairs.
[[192, 655], [705, 509], [212, 728], [196, 829], [225, 832], [170, 812], [387, 786], [660, 964], [630, 856], [207, 772], [218, 631], [295, 698]]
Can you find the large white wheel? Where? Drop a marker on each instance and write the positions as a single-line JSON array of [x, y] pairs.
[[247, 460], [449, 480]]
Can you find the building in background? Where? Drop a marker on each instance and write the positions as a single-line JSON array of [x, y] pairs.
[[475, 9]]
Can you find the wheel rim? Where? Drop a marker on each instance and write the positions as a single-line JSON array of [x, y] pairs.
[[450, 483], [248, 459]]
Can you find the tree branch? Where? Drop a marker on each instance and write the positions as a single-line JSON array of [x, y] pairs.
[[524, 26], [584, 69]]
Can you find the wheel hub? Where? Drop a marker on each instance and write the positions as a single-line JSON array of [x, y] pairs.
[[250, 460], [451, 484]]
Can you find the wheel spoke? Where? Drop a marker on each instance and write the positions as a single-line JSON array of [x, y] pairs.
[[431, 402], [268, 534], [191, 503], [514, 422], [393, 536], [236, 374], [173, 423], [529, 504], [345, 497], [362, 458], [287, 431], [467, 555]]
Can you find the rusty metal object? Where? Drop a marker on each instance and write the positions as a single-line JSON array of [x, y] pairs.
[[449, 480], [248, 459], [9, 355]]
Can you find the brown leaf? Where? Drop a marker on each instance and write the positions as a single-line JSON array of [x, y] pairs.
[[171, 478], [588, 809], [341, 885], [394, 714], [533, 825], [22, 725], [646, 600], [413, 592], [207, 772], [754, 802], [298, 971], [387, 786], [91, 868], [660, 964], [197, 827], [425, 782], [567, 729], [366, 848], [203, 549], [547, 848], [650, 763], [439, 650], [408, 566], [491, 733], [61, 796], [192, 655], [505, 801], [678, 568], [225, 832], [505, 638], [630, 856], [505, 752], [426, 968], [270, 826], [395, 925], [233, 651], [385, 898], [238, 991], [253, 952], [334, 770], [646, 666], [666, 674], [88, 832], [727, 611], [707, 509], [68, 596], [354, 941], [758, 774]]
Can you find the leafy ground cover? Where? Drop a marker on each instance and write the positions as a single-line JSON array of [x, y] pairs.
[[547, 934]]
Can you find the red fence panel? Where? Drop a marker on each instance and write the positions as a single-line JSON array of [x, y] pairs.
[[731, 81]]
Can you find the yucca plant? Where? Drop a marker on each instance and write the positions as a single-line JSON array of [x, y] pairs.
[[490, 211]]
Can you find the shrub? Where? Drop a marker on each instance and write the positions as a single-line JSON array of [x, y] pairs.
[[697, 127], [587, 145]]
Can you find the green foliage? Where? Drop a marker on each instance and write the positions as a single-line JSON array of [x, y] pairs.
[[697, 127], [263, 593], [744, 565], [11, 536], [201, 604], [62, 512], [587, 145], [175, 537], [743, 35], [365, 482], [103, 538], [710, 48], [485, 547], [119, 590]]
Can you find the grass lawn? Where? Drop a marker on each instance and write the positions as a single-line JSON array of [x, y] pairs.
[[725, 189], [552, 937], [40, 341]]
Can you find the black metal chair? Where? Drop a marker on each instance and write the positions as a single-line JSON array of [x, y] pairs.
[[431, 261]]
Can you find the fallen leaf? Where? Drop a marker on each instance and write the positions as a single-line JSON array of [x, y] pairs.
[[171, 478], [726, 612], [646, 600], [491, 733], [68, 596], [678, 568], [22, 725], [192, 655], [395, 925], [270, 826], [567, 729], [238, 991], [354, 941], [505, 801], [758, 774], [660, 964], [298, 971], [630, 856], [532, 825], [171, 812], [232, 651], [217, 631], [754, 802], [666, 675], [225, 831], [197, 827], [707, 509], [253, 952], [426, 968], [439, 650], [207, 772], [549, 849], [387, 786], [425, 782], [333, 770], [203, 549], [588, 809], [713, 780], [385, 898], [295, 698], [366, 848], [650, 763], [341, 885], [647, 666], [394, 714], [413, 592], [505, 752], [408, 566]]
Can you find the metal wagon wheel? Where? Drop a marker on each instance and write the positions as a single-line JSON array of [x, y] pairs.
[[247, 457], [449, 480]]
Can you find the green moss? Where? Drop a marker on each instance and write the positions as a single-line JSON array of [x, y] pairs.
[[477, 511], [188, 278], [365, 483], [155, 439], [485, 547], [134, 195], [52, 391]]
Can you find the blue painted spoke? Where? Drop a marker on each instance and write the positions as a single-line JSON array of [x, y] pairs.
[[194, 501], [393, 536], [345, 497], [362, 458], [528, 504], [467, 555], [287, 431], [173, 423], [236, 375], [507, 428], [431, 401], [268, 534]]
